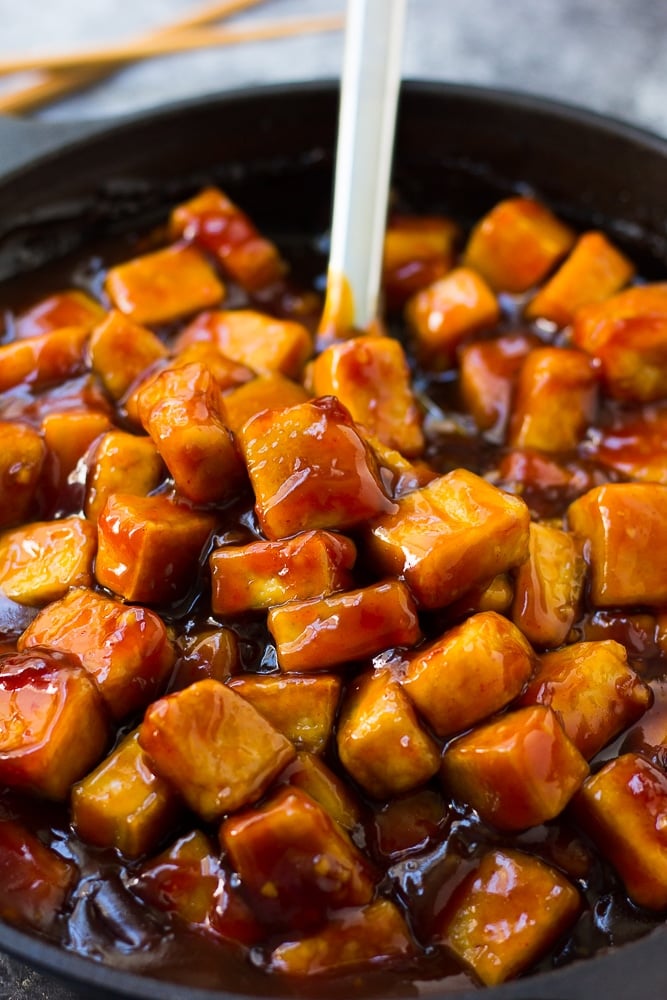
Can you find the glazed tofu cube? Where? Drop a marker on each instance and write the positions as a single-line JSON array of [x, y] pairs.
[[53, 723], [121, 351], [625, 528], [309, 773], [516, 244], [227, 373], [489, 371], [164, 285], [635, 444], [35, 880], [295, 862], [402, 475], [206, 653], [149, 548], [408, 825], [506, 913], [472, 671], [40, 562], [592, 690], [183, 411], [214, 223], [417, 251], [261, 574], [68, 308], [310, 468], [593, 272], [22, 455], [381, 743], [121, 463], [301, 708], [68, 434], [125, 649], [622, 808], [517, 771], [556, 400], [267, 392], [327, 631], [49, 357], [217, 750], [549, 585], [628, 335], [375, 934], [123, 804], [371, 378], [254, 339], [448, 537], [496, 595], [442, 315]]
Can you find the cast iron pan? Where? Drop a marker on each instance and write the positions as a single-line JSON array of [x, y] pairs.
[[458, 150]]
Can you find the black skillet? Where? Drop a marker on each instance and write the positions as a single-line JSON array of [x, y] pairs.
[[458, 150]]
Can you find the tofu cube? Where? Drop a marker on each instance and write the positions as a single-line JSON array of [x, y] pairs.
[[49, 357], [402, 475], [634, 443], [68, 434], [517, 771], [206, 653], [309, 773], [489, 371], [227, 373], [417, 251], [68, 308], [266, 392], [301, 708], [22, 456], [41, 561], [448, 537], [121, 463], [217, 750], [121, 351], [35, 881]]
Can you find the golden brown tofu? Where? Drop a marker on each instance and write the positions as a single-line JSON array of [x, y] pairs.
[[489, 371], [635, 444], [556, 400], [592, 690], [267, 392], [371, 378], [448, 537], [309, 773], [164, 285], [206, 653], [506, 913], [123, 804], [49, 357], [516, 244], [68, 308], [409, 824], [68, 434], [375, 933], [381, 743], [594, 271], [22, 455], [301, 708], [149, 547], [295, 862], [628, 335], [417, 251], [473, 670], [517, 771], [327, 631], [121, 351], [496, 595], [310, 468], [41, 561], [622, 808], [254, 339], [625, 528], [217, 750], [53, 723], [402, 476], [261, 574], [183, 411], [227, 373], [35, 880], [125, 649], [121, 463], [443, 314], [549, 585]]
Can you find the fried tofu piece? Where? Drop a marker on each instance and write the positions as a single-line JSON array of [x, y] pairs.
[[517, 771], [516, 244], [443, 314], [417, 251], [227, 373], [496, 595], [592, 690], [302, 708], [68, 308], [556, 400], [206, 653], [381, 743], [41, 561], [125, 649], [267, 392], [628, 335], [121, 351], [53, 723], [506, 913], [549, 585], [594, 271], [448, 537], [22, 455], [470, 672], [183, 411], [375, 934], [164, 285], [217, 750], [622, 808], [49, 357], [489, 371], [327, 631], [371, 378], [35, 881], [262, 574], [121, 463], [68, 434], [310, 468], [402, 476], [295, 862], [309, 773], [252, 338], [149, 548], [123, 803], [625, 527], [409, 824], [635, 444]]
